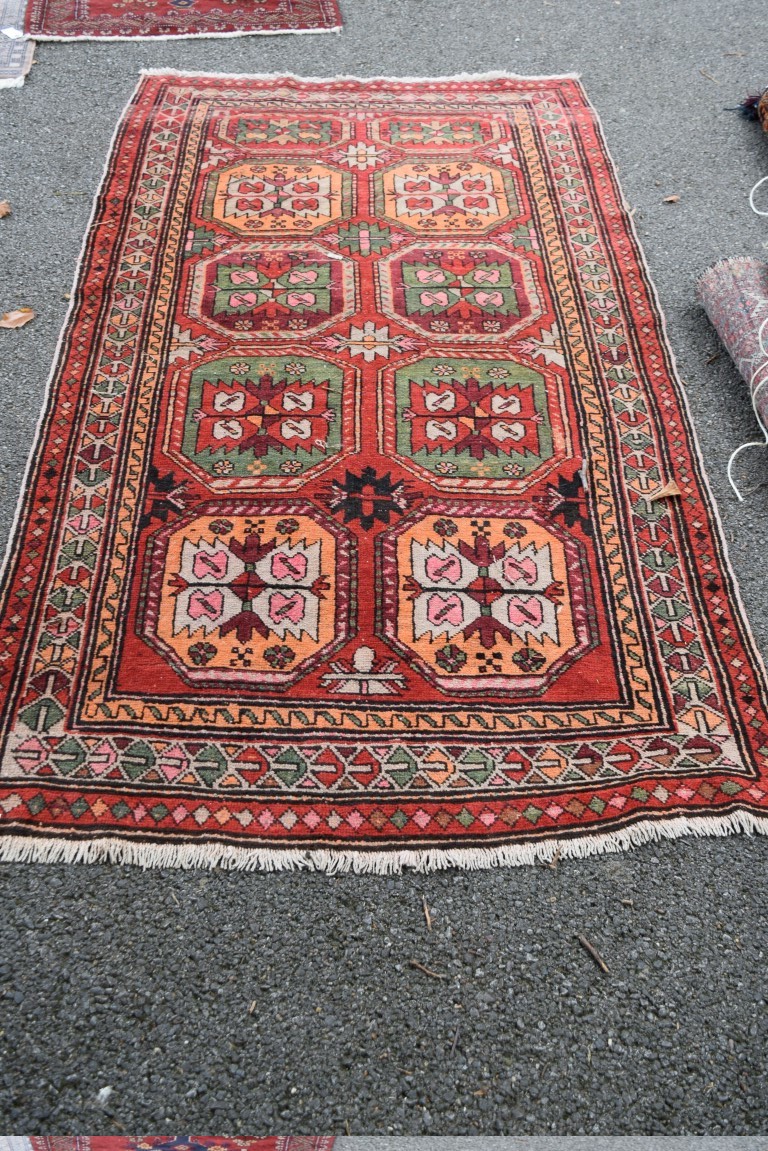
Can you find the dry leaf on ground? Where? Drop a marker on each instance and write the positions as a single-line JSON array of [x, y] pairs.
[[5, 208], [16, 318], [670, 489], [671, 200]]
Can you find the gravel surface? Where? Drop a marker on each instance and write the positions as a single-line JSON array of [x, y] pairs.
[[546, 1143], [226, 1003]]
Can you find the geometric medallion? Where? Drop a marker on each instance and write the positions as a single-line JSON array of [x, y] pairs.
[[445, 197], [462, 419], [247, 418], [257, 198], [438, 133], [266, 292], [491, 600], [254, 597], [460, 291], [273, 131]]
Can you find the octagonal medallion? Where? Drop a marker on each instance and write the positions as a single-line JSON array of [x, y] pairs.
[[460, 291], [248, 593], [477, 422], [485, 598], [247, 422], [249, 129], [262, 197], [443, 197], [437, 133], [272, 292]]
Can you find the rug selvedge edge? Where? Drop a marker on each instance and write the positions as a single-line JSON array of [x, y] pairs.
[[717, 527], [32, 848], [50, 394]]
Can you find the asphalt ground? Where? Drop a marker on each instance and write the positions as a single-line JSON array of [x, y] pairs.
[[547, 1143], [245, 1003]]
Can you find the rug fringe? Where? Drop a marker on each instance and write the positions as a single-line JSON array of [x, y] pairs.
[[337, 28], [727, 262], [459, 77], [48, 849]]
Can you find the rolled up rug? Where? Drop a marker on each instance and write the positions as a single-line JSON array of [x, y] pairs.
[[734, 294], [755, 107]]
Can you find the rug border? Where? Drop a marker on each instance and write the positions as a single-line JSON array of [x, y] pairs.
[[44, 37], [29, 847], [359, 861], [48, 390], [683, 397]]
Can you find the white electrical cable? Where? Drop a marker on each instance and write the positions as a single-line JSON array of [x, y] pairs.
[[759, 184], [762, 367]]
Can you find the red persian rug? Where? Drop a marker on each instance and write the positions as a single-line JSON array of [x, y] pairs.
[[131, 19], [346, 541], [163, 1143]]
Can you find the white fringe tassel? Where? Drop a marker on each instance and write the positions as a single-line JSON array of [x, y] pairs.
[[187, 35], [346, 77], [28, 849]]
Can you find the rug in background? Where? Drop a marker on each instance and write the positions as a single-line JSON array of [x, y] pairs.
[[162, 1143], [16, 53], [128, 20], [345, 543]]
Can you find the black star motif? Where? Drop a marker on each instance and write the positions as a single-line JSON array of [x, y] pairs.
[[166, 497], [368, 498]]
